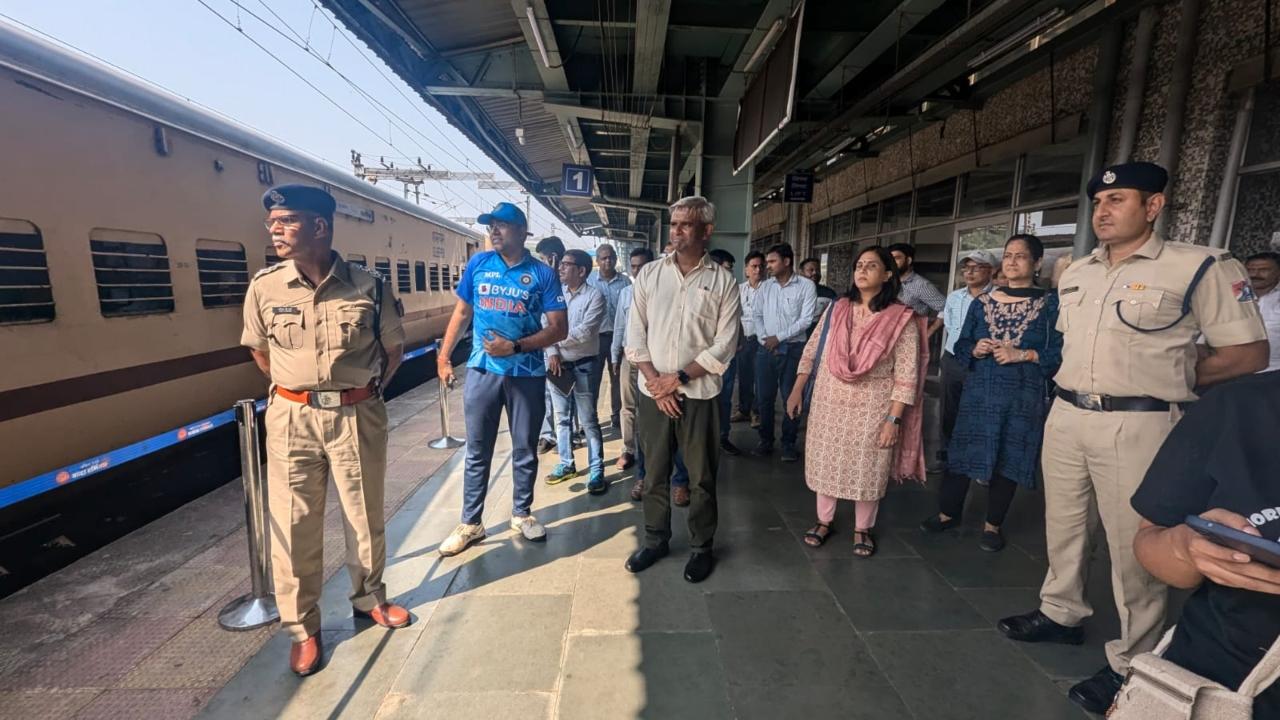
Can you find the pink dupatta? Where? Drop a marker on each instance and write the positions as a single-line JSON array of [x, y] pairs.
[[851, 355]]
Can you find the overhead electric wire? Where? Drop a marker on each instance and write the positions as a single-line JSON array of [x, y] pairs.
[[389, 115]]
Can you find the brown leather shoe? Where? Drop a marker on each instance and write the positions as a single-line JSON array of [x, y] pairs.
[[387, 615], [304, 657], [680, 496], [625, 461], [637, 489]]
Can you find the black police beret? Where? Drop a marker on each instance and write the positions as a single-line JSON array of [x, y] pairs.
[[1144, 176], [300, 197]]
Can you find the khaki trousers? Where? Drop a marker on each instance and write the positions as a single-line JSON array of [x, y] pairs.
[[1093, 463], [305, 446], [628, 379]]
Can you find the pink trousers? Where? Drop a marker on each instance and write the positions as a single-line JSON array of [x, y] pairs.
[[865, 511]]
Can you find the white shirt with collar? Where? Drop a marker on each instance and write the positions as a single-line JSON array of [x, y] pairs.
[[747, 295], [784, 311], [1269, 305], [586, 313]]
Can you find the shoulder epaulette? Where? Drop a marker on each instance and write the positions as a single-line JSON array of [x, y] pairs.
[[1225, 256], [267, 270]]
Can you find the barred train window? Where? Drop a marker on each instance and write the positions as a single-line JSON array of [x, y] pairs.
[[403, 279], [420, 276], [26, 295], [132, 270], [435, 277], [383, 266], [457, 274], [358, 259], [224, 273]]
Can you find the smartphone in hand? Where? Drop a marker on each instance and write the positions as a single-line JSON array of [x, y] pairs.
[[1262, 550]]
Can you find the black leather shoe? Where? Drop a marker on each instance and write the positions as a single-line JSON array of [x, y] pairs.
[[935, 524], [992, 541], [729, 448], [641, 559], [1098, 692], [1035, 626], [699, 567]]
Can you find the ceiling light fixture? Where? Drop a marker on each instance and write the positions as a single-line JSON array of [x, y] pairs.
[[765, 45], [537, 35]]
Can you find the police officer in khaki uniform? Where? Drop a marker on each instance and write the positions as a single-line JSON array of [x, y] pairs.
[[313, 324], [1130, 314]]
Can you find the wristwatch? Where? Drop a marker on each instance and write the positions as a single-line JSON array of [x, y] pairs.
[[515, 348], [893, 419], [683, 376]]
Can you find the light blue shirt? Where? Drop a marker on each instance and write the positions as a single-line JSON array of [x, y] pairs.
[[784, 311], [620, 324], [586, 312], [953, 314], [612, 290]]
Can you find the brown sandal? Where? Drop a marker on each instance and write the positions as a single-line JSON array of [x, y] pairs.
[[814, 539]]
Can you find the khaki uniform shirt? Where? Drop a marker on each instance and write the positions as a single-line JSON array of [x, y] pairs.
[[1103, 355], [319, 338], [676, 319]]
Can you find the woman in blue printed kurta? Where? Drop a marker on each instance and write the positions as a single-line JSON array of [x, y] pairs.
[[1013, 348]]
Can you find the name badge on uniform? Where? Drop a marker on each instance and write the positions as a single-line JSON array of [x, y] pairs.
[[286, 310], [1068, 291], [1135, 286]]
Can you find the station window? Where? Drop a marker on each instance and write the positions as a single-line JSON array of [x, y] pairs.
[[26, 295], [936, 203], [403, 278], [867, 220], [383, 267], [420, 276], [271, 257], [987, 189], [435, 277], [224, 272], [842, 227], [1053, 172], [358, 259], [896, 213], [132, 271]]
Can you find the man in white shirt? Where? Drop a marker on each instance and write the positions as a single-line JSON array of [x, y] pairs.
[[753, 270], [682, 333], [610, 283], [1264, 276], [976, 267], [573, 361], [781, 314]]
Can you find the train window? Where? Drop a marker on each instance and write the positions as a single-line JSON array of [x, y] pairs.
[[26, 295], [383, 267], [358, 259], [404, 282], [435, 277], [420, 276], [132, 270], [457, 275], [271, 257], [224, 272]]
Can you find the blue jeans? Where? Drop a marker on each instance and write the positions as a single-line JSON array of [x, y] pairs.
[[586, 394], [484, 396], [679, 477], [549, 420], [726, 398], [776, 371]]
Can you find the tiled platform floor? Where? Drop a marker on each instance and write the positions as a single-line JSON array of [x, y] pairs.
[[560, 629]]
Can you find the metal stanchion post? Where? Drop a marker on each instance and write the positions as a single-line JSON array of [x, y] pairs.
[[258, 608], [446, 441]]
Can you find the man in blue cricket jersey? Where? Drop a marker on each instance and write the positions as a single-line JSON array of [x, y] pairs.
[[504, 293]]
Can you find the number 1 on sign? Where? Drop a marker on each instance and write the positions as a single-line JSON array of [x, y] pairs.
[[579, 180]]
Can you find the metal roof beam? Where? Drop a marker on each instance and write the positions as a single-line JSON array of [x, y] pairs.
[[651, 47], [904, 17]]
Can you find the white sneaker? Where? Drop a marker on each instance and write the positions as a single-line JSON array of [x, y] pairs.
[[529, 527], [462, 537]]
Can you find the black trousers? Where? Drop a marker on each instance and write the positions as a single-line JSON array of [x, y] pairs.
[[695, 433], [954, 373], [605, 358], [999, 496]]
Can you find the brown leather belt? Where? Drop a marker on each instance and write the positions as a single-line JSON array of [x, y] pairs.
[[328, 398]]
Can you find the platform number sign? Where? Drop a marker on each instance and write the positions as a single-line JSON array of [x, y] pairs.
[[575, 180]]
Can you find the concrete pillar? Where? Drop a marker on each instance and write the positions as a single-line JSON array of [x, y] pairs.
[[730, 193]]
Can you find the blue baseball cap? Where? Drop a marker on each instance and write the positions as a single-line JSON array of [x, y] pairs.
[[300, 197], [504, 212]]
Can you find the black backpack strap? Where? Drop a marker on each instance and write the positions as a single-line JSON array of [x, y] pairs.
[[377, 309]]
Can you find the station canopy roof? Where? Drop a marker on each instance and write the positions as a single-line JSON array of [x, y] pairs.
[[625, 85]]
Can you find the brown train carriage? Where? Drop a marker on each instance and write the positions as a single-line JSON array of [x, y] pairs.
[[130, 224]]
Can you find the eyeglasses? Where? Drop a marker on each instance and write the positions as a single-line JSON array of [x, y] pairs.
[[289, 221], [973, 268], [566, 264]]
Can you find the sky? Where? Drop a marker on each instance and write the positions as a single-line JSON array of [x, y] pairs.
[[185, 48]]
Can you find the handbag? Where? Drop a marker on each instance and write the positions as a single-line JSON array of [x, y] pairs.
[[817, 359], [1157, 689]]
